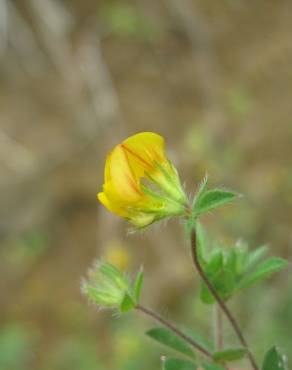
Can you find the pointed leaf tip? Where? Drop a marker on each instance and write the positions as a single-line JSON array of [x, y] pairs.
[[262, 271], [274, 360], [138, 285], [211, 199]]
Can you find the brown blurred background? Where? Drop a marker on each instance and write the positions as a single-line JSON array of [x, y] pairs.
[[214, 78]]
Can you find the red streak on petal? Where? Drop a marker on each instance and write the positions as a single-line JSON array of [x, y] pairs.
[[134, 186], [131, 180], [136, 156]]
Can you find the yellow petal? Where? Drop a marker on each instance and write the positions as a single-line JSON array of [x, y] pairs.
[[112, 207], [142, 151], [122, 182], [107, 176]]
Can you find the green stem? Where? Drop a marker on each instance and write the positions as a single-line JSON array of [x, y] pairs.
[[219, 300], [174, 329]]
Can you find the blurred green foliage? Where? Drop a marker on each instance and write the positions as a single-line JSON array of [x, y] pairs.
[[26, 249], [240, 102], [125, 20], [75, 353], [17, 347]]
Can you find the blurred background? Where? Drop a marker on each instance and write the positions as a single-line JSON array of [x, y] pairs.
[[214, 78]]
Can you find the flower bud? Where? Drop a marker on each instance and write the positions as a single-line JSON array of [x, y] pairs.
[[106, 286], [141, 184]]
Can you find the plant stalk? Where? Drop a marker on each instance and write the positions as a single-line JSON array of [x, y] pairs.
[[220, 301], [174, 329]]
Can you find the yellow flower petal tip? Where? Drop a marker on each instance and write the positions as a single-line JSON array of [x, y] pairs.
[[140, 183]]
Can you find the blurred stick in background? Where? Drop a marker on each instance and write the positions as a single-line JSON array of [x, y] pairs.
[[189, 18], [88, 89], [23, 51], [15, 156], [3, 26]]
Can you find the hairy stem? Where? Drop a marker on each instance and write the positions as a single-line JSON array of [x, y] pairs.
[[218, 299], [174, 329]]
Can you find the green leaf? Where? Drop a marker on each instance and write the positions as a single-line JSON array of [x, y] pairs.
[[241, 260], [231, 261], [208, 366], [138, 285], [201, 190], [205, 295], [274, 360], [231, 354], [127, 304], [212, 199], [223, 281], [255, 256], [262, 271], [178, 364], [216, 261], [169, 339]]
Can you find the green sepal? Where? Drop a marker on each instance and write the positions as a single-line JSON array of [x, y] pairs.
[[153, 194], [230, 354], [171, 185], [127, 303], [106, 286], [111, 273], [168, 338]]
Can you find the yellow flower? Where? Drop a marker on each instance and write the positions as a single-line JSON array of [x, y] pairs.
[[140, 183]]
